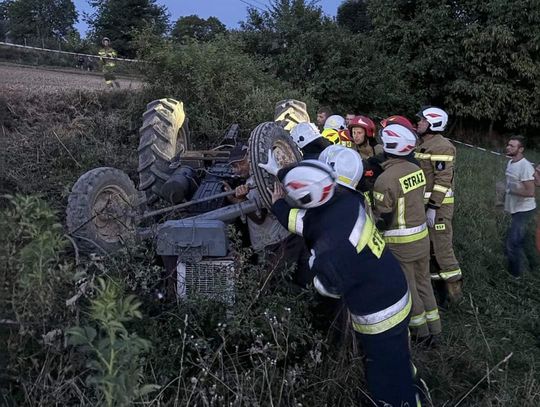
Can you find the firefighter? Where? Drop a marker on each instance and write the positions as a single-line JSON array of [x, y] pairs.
[[350, 261], [309, 140], [436, 156], [399, 203], [362, 132], [107, 64], [336, 131]]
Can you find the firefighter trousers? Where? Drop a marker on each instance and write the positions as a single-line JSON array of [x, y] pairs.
[[389, 371], [425, 317], [440, 236]]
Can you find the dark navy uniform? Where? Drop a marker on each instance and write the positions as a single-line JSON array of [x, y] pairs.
[[350, 260]]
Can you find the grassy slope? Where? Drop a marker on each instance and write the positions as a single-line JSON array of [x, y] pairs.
[[498, 316]]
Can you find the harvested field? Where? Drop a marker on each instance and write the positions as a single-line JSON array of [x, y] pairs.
[[24, 77]]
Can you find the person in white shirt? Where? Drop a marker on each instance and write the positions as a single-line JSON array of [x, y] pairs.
[[519, 201]]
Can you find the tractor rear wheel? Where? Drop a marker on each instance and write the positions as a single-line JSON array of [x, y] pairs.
[[270, 136], [163, 135]]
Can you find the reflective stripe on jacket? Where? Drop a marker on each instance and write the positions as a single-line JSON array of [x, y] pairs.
[[399, 192], [436, 156]]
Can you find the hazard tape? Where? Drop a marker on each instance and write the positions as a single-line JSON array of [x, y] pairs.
[[477, 148], [481, 149], [56, 51]]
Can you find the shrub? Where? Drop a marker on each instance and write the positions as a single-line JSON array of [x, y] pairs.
[[218, 83]]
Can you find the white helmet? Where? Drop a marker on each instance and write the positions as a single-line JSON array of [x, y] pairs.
[[346, 162], [398, 140], [437, 118], [310, 183], [304, 133], [329, 152], [335, 122]]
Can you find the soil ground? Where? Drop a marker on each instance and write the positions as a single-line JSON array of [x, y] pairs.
[[18, 77]]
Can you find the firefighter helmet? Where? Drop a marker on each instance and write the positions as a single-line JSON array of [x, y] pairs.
[[365, 122], [437, 118], [304, 133], [335, 122], [346, 162], [398, 140], [310, 183], [397, 119]]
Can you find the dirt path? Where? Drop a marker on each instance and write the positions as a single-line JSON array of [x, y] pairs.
[[24, 77]]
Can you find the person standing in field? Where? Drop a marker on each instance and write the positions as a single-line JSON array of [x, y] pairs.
[[106, 58], [436, 156], [519, 201], [399, 204]]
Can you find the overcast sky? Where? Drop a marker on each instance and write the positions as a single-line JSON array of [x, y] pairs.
[[229, 12]]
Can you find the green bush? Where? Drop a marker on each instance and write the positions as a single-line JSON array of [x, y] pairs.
[[219, 85]]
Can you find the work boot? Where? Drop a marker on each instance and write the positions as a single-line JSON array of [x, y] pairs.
[[454, 292]]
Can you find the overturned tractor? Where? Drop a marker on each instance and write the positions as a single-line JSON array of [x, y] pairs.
[[105, 210]]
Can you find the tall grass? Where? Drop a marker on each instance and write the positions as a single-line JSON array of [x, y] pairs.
[[272, 347]]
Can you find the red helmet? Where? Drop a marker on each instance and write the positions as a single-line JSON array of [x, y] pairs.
[[365, 122], [396, 119]]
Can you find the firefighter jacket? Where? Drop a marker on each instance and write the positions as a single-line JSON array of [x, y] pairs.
[[338, 137], [104, 57], [436, 156], [399, 191], [349, 259]]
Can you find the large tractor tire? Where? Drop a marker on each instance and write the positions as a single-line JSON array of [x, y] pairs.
[[163, 135], [270, 136], [101, 210]]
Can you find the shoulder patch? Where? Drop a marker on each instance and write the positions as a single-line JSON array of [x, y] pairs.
[[440, 165]]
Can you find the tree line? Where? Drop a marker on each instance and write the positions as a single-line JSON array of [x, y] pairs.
[[479, 60]]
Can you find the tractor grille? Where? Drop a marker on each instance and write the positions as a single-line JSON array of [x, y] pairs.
[[208, 278]]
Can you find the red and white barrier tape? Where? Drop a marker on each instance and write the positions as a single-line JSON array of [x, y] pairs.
[[481, 148]]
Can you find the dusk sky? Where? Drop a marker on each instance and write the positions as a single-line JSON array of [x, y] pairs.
[[229, 12]]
